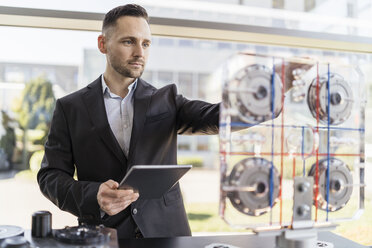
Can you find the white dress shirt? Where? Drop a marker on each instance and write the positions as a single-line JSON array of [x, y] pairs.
[[120, 114]]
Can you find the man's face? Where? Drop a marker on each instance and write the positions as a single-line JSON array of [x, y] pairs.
[[127, 46]]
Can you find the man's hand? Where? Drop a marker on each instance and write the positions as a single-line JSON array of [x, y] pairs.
[[113, 200]]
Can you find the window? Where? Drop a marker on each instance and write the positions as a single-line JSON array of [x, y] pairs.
[[166, 42], [147, 75], [278, 4], [164, 78], [203, 143], [194, 64], [186, 43], [309, 5], [202, 85], [185, 84]]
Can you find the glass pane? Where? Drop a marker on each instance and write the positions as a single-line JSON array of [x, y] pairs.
[[185, 83], [147, 76], [203, 143], [37, 66], [202, 85], [164, 78], [195, 65]]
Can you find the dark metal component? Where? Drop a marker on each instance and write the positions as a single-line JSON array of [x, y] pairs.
[[82, 235], [302, 202], [15, 242], [41, 224], [252, 93], [340, 184], [253, 173], [243, 241], [341, 99], [10, 231]]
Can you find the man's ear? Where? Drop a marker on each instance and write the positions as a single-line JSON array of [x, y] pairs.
[[102, 44]]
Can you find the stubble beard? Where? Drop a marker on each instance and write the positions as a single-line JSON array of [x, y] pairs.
[[126, 72]]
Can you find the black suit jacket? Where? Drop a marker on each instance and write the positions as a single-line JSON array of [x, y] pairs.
[[80, 138]]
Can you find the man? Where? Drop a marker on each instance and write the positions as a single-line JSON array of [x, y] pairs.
[[116, 122]]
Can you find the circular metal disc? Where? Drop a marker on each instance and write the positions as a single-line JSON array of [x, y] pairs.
[[252, 94], [10, 231], [341, 99], [253, 173], [340, 184]]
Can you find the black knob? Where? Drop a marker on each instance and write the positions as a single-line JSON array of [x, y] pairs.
[[41, 224]]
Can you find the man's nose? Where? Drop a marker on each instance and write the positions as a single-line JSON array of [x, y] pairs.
[[138, 51]]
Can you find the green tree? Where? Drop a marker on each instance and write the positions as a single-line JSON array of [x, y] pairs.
[[8, 140], [35, 110]]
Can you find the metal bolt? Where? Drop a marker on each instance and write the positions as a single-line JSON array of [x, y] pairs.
[[303, 210], [303, 187]]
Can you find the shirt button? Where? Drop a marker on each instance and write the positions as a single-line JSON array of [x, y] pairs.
[[125, 126], [134, 211]]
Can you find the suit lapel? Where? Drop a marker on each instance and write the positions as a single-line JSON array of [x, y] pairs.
[[93, 99], [142, 98]]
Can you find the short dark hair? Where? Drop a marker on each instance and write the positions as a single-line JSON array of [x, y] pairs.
[[124, 10]]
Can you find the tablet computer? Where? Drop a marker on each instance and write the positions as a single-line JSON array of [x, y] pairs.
[[153, 181]]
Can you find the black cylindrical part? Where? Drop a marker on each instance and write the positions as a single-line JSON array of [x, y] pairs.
[[41, 224]]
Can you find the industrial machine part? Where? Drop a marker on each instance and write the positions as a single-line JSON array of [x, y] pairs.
[[339, 97], [340, 184], [249, 182], [254, 91]]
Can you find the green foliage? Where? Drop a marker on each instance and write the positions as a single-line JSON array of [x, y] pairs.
[[8, 140], [195, 161], [37, 104], [35, 111], [203, 217], [27, 176], [35, 160]]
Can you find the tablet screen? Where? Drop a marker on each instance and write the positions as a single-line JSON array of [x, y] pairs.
[[153, 181]]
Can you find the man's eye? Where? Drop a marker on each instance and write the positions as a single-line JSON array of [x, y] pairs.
[[127, 42], [146, 44]]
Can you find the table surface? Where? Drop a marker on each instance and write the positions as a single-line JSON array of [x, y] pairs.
[[241, 241]]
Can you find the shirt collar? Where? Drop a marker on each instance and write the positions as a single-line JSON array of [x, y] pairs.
[[105, 88]]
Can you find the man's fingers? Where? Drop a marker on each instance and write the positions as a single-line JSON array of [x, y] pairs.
[[127, 197], [117, 194], [112, 184], [115, 208], [121, 205], [112, 207], [111, 200], [135, 197]]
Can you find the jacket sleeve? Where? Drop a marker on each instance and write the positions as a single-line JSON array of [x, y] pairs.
[[196, 117], [55, 177]]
